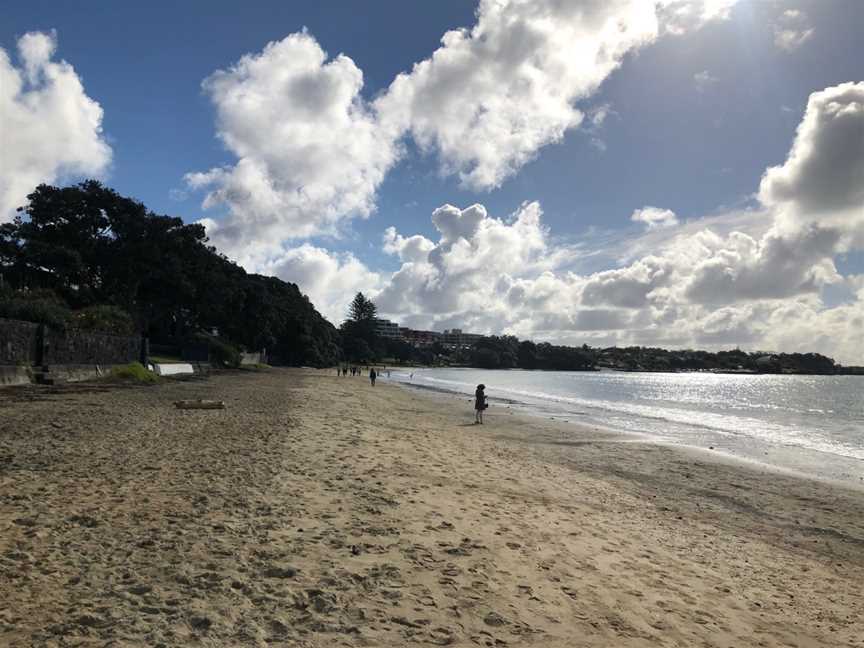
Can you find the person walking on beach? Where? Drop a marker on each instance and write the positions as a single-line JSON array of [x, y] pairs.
[[372, 376], [479, 403]]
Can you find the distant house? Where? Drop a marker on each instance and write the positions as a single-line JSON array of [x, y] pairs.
[[456, 338], [420, 338], [387, 329], [452, 338]]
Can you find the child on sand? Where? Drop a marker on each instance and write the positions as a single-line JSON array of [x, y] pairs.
[[373, 376], [479, 404]]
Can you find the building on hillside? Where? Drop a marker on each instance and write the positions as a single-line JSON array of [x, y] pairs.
[[420, 338], [387, 329], [457, 338], [451, 338]]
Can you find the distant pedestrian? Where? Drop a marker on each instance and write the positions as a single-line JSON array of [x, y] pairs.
[[372, 376], [480, 404]]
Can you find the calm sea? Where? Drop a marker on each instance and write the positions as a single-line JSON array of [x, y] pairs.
[[808, 424]]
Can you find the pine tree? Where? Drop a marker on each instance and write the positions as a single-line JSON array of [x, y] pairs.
[[362, 309]]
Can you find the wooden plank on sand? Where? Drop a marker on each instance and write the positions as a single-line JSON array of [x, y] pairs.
[[200, 404]]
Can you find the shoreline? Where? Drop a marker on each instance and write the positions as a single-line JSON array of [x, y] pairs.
[[842, 371], [799, 461], [317, 511]]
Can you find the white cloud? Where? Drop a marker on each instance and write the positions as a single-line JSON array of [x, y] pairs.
[[486, 101], [792, 30], [479, 265], [754, 281], [654, 217], [51, 128], [310, 151], [490, 97], [413, 249], [741, 268], [680, 16], [704, 80], [598, 115], [821, 183], [329, 279]]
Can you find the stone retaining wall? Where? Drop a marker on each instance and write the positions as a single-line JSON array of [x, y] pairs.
[[19, 342], [73, 347], [27, 344]]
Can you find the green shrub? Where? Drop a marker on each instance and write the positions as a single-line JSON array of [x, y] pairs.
[[134, 371], [104, 319], [40, 306], [221, 353]]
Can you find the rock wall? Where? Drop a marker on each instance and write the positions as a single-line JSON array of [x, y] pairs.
[[26, 343], [84, 347], [18, 342]]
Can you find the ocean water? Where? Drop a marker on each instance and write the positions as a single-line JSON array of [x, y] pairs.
[[812, 425]]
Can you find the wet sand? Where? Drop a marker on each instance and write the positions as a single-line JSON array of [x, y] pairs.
[[318, 511]]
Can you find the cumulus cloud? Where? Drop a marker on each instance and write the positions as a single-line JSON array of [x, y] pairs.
[[490, 97], [51, 128], [702, 285], [654, 217], [310, 151], [329, 279], [821, 182], [792, 30], [742, 268], [485, 102], [479, 267], [413, 249]]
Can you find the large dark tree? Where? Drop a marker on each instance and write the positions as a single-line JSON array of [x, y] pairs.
[[89, 247]]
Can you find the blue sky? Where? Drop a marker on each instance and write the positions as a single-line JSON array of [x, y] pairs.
[[688, 119]]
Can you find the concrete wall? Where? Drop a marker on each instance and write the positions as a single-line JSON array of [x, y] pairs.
[[79, 372], [15, 375], [252, 358], [23, 375], [173, 368]]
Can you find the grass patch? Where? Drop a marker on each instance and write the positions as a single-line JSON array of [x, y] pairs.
[[134, 371]]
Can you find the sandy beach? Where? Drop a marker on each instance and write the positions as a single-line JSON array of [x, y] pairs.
[[317, 511]]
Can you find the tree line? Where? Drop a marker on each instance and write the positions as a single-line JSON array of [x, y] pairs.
[[362, 345], [84, 256]]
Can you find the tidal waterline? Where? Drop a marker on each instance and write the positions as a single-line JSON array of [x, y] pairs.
[[808, 424]]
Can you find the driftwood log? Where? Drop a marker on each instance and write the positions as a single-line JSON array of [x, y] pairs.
[[200, 404]]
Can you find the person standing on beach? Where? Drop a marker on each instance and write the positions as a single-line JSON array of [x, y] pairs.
[[479, 403], [372, 376]]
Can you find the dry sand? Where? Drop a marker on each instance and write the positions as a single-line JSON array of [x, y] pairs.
[[318, 511]]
